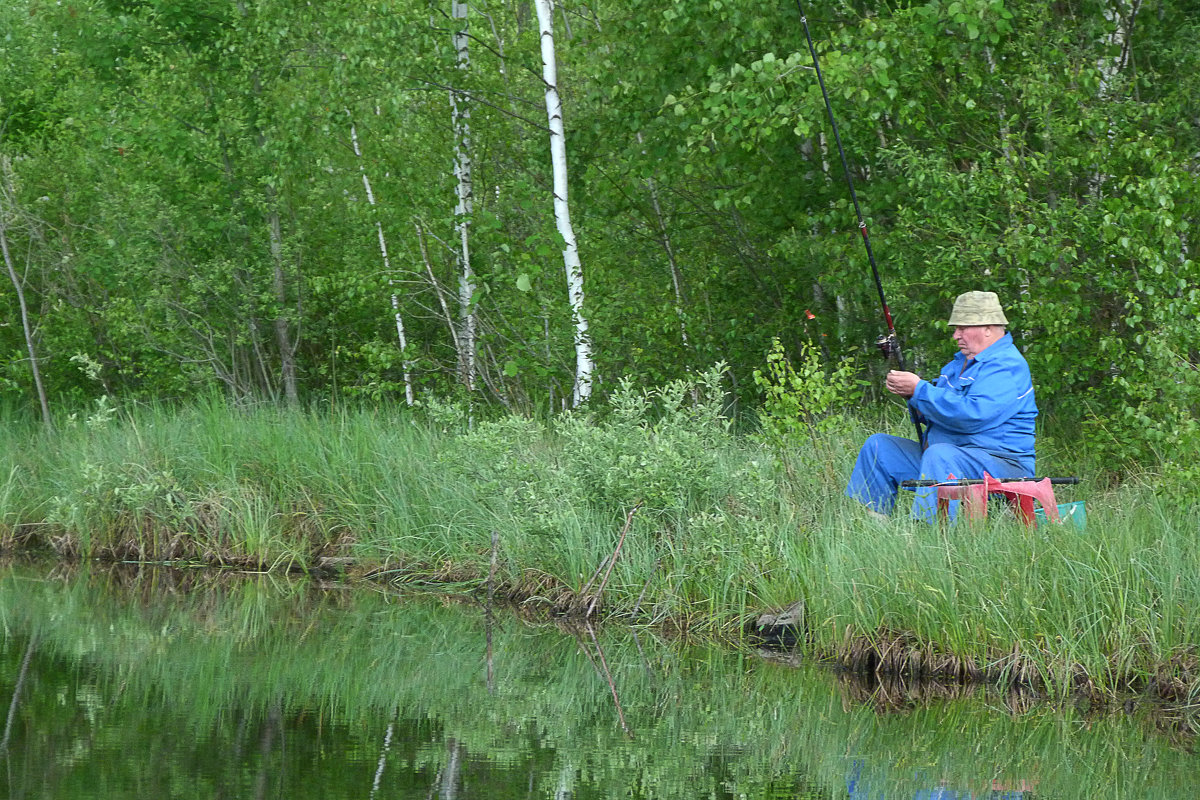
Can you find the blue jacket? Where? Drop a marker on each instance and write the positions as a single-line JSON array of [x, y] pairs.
[[988, 405]]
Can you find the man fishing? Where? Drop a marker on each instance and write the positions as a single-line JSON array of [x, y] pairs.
[[979, 416]]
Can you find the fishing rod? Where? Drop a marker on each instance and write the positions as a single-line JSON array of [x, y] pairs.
[[888, 343], [913, 484]]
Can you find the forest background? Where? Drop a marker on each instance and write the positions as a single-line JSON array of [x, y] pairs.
[[308, 202]]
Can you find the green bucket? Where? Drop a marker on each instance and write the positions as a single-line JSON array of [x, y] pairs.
[[1068, 513]]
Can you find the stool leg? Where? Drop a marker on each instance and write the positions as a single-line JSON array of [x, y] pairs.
[[1023, 494], [1025, 510], [974, 504]]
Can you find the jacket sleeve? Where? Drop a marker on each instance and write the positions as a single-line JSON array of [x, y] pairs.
[[981, 404]]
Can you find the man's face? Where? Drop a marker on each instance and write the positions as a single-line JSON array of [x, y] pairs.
[[974, 339]]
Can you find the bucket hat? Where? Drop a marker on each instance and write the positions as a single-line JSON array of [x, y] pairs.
[[977, 308]]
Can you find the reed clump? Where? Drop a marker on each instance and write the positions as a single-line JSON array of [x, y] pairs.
[[729, 524]]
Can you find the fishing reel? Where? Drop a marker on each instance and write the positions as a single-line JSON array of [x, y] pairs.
[[889, 345]]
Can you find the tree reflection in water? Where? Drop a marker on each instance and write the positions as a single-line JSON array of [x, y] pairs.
[[170, 683]]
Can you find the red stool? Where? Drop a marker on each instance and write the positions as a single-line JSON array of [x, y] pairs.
[[1021, 494]]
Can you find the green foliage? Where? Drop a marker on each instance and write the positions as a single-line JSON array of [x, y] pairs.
[[666, 449], [1160, 423], [102, 498], [995, 144], [807, 400], [658, 446]]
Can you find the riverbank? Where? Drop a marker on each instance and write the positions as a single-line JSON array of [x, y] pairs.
[[717, 526]]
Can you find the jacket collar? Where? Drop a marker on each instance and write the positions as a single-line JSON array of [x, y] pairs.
[[993, 350]]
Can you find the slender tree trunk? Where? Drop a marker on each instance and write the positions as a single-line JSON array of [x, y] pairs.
[[565, 788], [1121, 15], [452, 775], [249, 367], [383, 754], [460, 114], [387, 266], [283, 333], [664, 239], [15, 703], [562, 211], [266, 749], [433, 282], [1002, 112], [7, 206], [284, 341]]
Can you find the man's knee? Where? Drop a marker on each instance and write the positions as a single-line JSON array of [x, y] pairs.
[[877, 445], [876, 440]]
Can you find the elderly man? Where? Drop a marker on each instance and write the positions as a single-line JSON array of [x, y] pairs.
[[979, 415]]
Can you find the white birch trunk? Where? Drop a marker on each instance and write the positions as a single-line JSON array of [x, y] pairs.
[[1120, 14], [562, 214], [387, 266], [460, 114], [451, 776], [387, 745], [566, 783], [1002, 112]]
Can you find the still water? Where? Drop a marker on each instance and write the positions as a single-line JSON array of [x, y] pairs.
[[159, 683]]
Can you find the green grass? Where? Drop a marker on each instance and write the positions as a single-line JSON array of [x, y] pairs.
[[728, 526]]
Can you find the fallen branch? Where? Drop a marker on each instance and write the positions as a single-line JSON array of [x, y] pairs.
[[611, 560]]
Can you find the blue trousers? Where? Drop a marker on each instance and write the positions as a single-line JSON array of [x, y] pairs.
[[884, 461]]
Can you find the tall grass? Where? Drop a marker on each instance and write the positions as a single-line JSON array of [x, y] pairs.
[[727, 525], [1100, 610]]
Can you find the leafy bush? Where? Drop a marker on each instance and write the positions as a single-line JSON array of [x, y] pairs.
[[806, 399], [103, 496], [669, 448]]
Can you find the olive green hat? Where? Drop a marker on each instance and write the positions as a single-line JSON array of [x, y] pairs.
[[977, 308]]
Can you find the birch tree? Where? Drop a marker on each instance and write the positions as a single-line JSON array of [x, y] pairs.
[[1119, 16], [450, 777], [387, 266], [460, 115], [562, 211]]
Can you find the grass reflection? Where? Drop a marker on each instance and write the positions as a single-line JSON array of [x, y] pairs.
[[153, 680]]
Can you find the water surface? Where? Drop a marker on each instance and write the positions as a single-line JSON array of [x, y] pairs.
[[159, 683]]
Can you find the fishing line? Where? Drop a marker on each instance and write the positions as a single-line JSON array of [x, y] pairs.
[[889, 343]]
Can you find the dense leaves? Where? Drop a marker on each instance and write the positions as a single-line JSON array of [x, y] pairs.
[[192, 212]]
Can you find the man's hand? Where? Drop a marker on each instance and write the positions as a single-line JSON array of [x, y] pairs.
[[902, 383]]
